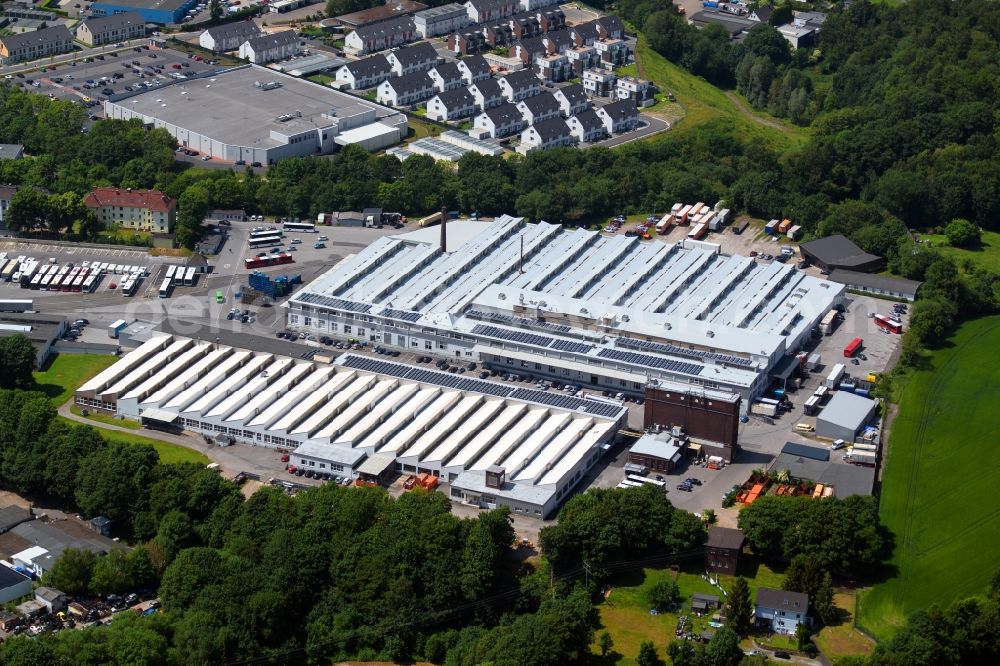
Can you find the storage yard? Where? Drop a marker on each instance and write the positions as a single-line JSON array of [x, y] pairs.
[[611, 313], [448, 425]]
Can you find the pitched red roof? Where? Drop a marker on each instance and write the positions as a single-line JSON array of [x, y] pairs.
[[153, 200]]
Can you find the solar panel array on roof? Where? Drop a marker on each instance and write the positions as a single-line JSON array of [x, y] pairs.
[[651, 361], [425, 376], [566, 402], [568, 346], [330, 302], [513, 336], [405, 315], [681, 351], [517, 321]]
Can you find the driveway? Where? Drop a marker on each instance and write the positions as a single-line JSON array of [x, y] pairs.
[[652, 126]]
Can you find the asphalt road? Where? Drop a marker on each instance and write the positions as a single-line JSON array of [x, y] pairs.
[[652, 126]]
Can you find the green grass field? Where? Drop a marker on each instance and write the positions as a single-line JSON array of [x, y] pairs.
[[702, 102], [987, 255], [65, 373], [940, 481]]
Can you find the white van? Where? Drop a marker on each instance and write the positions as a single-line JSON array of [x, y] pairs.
[[804, 427]]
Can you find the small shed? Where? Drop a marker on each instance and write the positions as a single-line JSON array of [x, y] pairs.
[[101, 525], [53, 599], [702, 603], [30, 609]]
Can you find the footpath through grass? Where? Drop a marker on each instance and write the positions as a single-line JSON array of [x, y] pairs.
[[939, 495], [703, 102]]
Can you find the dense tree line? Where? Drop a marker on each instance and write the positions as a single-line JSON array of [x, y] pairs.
[[839, 535]]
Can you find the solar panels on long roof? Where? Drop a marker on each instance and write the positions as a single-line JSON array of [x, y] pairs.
[[513, 336], [567, 402], [405, 315], [329, 301], [569, 346], [518, 321], [681, 351], [651, 361]]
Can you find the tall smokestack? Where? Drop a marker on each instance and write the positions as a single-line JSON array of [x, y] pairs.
[[444, 232]]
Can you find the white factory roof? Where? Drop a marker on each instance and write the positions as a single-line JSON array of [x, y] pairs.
[[365, 406], [584, 297]]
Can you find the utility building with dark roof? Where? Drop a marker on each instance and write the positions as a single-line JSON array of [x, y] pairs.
[[839, 252], [722, 550]]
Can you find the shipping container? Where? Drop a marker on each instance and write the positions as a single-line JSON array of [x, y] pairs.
[[811, 405], [794, 233], [771, 228], [853, 347], [859, 446], [682, 215], [828, 323], [698, 231], [813, 361], [846, 386], [866, 458], [740, 226], [833, 379], [763, 409], [784, 226], [116, 328]]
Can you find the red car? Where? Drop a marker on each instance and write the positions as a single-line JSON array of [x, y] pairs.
[[198, 58], [284, 458]]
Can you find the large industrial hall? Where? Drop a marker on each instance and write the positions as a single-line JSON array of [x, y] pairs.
[[255, 114], [612, 313], [492, 442]]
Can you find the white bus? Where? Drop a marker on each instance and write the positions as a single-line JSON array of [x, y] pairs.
[[189, 278], [264, 241], [642, 479], [170, 272], [165, 288], [307, 227], [625, 483]]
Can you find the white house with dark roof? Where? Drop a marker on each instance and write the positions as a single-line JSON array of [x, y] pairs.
[[762, 14], [483, 11], [365, 73], [487, 94], [500, 121], [547, 134], [473, 69], [417, 58], [446, 76], [538, 108], [586, 126], [572, 99], [451, 105], [599, 82], [642, 92], [780, 611], [271, 48], [519, 85], [98, 30], [228, 36], [553, 68], [405, 90], [620, 116], [380, 36]]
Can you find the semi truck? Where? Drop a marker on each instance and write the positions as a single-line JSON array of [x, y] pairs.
[[828, 323], [866, 458], [833, 379]]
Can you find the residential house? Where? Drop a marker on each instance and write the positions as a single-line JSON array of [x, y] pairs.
[[641, 91], [451, 105], [551, 18], [271, 48], [524, 25], [6, 193], [446, 75], [417, 58], [483, 11], [467, 42], [780, 611], [498, 34], [441, 20], [487, 94], [145, 210], [364, 73], [620, 116], [11, 151], [610, 26], [228, 36], [558, 41], [527, 50], [500, 121], [519, 85], [538, 108], [582, 58], [553, 68], [798, 36], [598, 82], [34, 45], [762, 14], [550, 133], [585, 34], [381, 36], [586, 126], [814, 20], [53, 600], [529, 5], [612, 51], [98, 30], [473, 69], [405, 90], [572, 99], [723, 549]]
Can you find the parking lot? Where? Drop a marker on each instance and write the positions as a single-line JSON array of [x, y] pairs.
[[115, 70]]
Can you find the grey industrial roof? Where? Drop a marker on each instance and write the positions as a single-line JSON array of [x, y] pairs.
[[846, 479], [204, 105], [734, 25], [659, 446], [336, 453], [99, 24], [376, 464], [805, 451], [410, 82], [56, 33], [418, 53], [12, 515], [456, 98], [543, 103], [725, 537], [530, 494], [874, 281], [49, 593], [504, 115], [366, 67], [782, 600], [10, 578], [243, 29], [55, 536], [837, 250], [847, 410], [550, 129]]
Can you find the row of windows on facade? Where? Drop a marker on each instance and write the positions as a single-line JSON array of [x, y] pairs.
[[312, 463], [457, 493]]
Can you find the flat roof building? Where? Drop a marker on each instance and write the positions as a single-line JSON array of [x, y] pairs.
[[42, 330], [611, 313], [279, 116], [844, 416], [153, 11], [360, 408], [846, 480]]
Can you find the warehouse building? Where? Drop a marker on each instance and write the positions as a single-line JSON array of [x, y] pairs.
[[839, 252], [845, 416], [876, 285], [152, 11], [426, 421], [844, 479], [279, 116], [42, 330], [611, 313]]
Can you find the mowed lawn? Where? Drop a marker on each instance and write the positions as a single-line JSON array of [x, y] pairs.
[[939, 495], [66, 372], [987, 255]]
